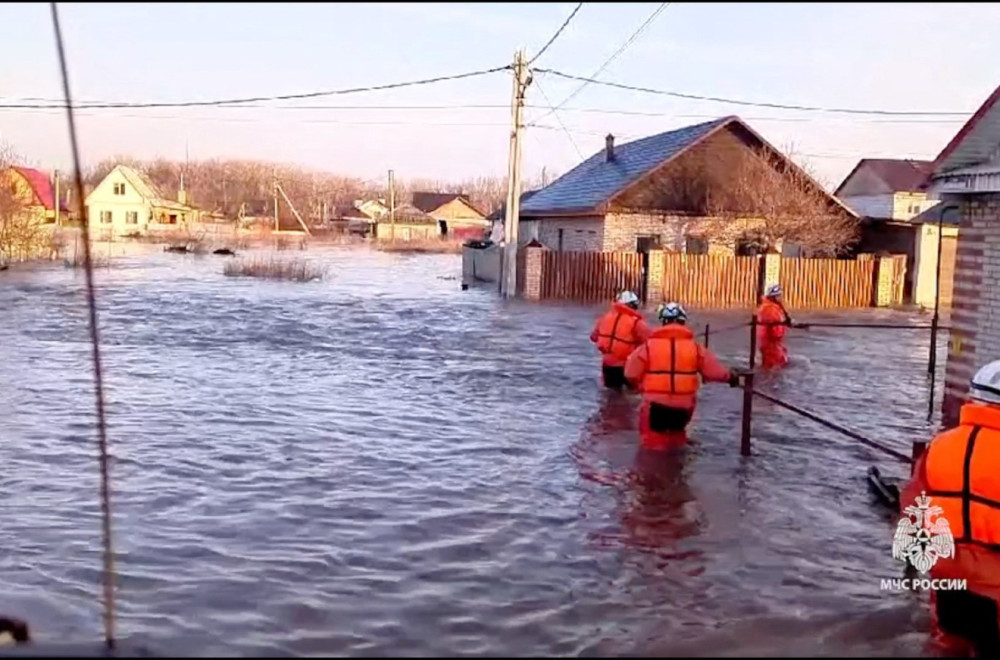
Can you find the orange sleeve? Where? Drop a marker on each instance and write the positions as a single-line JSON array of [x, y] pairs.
[[597, 325], [635, 365], [711, 369], [641, 331]]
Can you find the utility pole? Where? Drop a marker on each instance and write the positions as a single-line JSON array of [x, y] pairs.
[[274, 185], [508, 278], [392, 205], [55, 175]]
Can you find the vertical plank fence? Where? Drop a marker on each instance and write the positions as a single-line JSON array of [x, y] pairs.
[[702, 280], [589, 276], [828, 283]]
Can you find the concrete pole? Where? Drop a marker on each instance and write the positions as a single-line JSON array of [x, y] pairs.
[[508, 286]]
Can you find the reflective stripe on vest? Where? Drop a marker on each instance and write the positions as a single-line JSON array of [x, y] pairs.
[[674, 374], [979, 515], [612, 342]]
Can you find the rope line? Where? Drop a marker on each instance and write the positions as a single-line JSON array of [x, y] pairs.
[[102, 435]]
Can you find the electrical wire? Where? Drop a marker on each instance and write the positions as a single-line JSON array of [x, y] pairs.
[[559, 119], [260, 99], [778, 106], [102, 432], [621, 49], [556, 35]]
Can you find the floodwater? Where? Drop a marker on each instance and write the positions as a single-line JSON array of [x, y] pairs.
[[383, 464]]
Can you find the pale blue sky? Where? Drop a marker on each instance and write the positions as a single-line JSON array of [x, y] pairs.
[[941, 57]]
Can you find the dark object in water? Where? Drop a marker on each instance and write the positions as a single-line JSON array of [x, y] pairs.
[[465, 287], [225, 251], [887, 494], [181, 249], [17, 629], [4, 266]]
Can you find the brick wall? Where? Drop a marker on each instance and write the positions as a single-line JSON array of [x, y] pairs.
[[621, 230], [975, 318]]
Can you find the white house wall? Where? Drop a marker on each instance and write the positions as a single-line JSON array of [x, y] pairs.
[[104, 199]]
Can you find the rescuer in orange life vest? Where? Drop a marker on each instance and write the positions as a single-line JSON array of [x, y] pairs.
[[616, 334], [772, 321], [666, 369], [960, 473]]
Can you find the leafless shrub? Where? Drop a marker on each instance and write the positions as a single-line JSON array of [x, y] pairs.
[[273, 268]]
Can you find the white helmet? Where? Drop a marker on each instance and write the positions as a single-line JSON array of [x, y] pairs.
[[773, 291], [985, 385], [628, 298], [671, 312]]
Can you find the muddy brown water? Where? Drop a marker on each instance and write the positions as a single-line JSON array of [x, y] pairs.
[[383, 464]]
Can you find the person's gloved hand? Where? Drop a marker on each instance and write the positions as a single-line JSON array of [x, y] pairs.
[[734, 379]]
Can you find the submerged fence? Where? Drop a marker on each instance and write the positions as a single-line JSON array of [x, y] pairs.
[[712, 281]]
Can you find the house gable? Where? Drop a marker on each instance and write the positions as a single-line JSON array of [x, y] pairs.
[[884, 176], [705, 177], [457, 210], [120, 189]]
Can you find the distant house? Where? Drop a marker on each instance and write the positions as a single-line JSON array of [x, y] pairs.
[[966, 178], [407, 223], [34, 192], [372, 208], [456, 216], [348, 218], [127, 203], [887, 194], [647, 195]]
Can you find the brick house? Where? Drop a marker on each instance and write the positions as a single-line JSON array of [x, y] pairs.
[[650, 193], [966, 177]]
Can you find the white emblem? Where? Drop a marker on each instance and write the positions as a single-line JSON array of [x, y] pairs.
[[921, 541]]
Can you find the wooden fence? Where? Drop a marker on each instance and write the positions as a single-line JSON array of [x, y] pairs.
[[702, 280], [711, 281], [590, 276], [828, 283]]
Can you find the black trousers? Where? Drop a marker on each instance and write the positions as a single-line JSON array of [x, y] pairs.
[[614, 377], [971, 617], [663, 419]]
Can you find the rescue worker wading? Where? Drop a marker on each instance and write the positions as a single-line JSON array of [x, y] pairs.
[[959, 473], [666, 369], [772, 322], [617, 334]]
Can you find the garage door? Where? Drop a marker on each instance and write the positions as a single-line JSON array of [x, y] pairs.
[[949, 246]]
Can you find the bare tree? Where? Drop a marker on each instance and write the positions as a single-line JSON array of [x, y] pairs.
[[751, 195], [22, 234]]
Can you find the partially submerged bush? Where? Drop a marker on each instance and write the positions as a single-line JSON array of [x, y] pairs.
[[272, 268]]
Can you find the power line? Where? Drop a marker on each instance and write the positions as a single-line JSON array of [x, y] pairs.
[[621, 49], [260, 99], [756, 104], [556, 35], [559, 119]]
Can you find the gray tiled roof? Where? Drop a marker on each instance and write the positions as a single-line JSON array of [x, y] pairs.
[[595, 180]]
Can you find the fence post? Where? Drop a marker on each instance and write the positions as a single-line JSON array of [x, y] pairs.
[[707, 326], [916, 452], [747, 413], [753, 341]]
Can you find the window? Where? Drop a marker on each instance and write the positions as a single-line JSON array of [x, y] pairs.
[[119, 188], [131, 217], [106, 217], [694, 245]]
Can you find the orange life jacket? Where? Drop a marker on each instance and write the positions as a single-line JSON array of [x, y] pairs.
[[616, 331], [672, 362], [963, 477]]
